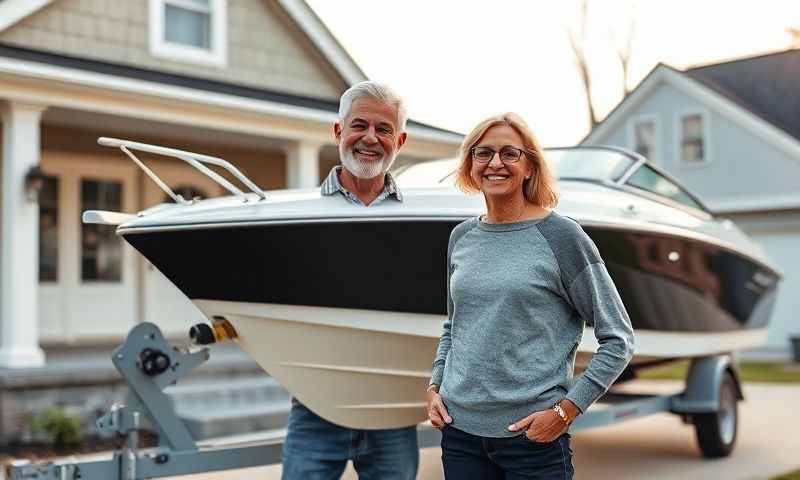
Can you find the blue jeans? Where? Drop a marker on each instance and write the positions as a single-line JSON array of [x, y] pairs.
[[469, 457], [316, 449]]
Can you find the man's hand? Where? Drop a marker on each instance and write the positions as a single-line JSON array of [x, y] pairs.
[[547, 425], [437, 412]]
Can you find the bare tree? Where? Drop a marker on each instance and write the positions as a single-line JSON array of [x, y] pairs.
[[624, 49], [577, 40], [622, 42]]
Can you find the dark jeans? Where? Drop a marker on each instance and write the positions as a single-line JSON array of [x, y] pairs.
[[316, 449], [469, 457]]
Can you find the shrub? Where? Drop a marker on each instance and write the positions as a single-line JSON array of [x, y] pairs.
[[62, 430]]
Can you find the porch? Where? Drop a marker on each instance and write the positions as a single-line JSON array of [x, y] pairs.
[[64, 283]]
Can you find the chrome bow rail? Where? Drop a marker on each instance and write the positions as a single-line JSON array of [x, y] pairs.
[[196, 160]]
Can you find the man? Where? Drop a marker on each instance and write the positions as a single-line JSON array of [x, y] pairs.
[[369, 133]]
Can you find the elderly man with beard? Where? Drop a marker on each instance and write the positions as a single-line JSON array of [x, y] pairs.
[[369, 133]]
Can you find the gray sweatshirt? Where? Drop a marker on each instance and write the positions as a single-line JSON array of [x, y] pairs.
[[518, 297]]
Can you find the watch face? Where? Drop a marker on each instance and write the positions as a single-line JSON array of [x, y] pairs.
[[560, 411]]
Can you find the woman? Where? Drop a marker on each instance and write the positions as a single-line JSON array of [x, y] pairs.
[[522, 282]]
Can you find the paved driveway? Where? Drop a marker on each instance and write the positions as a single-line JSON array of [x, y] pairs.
[[659, 447]]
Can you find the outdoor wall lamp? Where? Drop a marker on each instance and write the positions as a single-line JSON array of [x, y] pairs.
[[34, 182]]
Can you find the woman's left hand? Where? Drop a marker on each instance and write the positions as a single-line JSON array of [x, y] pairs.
[[541, 427]]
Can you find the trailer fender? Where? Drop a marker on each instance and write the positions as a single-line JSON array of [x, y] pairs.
[[703, 385]]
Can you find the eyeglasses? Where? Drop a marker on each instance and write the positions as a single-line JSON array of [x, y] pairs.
[[508, 154]]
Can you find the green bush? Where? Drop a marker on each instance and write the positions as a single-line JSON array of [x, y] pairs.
[[62, 430]]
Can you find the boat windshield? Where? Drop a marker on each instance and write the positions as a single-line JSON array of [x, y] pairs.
[[582, 164]]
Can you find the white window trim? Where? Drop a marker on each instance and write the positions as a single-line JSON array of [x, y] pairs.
[[658, 147], [708, 154], [217, 56]]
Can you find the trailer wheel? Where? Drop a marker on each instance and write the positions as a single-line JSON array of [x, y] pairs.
[[716, 431]]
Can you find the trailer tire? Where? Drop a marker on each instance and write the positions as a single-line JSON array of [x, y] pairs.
[[716, 431]]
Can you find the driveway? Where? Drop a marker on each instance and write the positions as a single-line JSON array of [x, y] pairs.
[[657, 447]]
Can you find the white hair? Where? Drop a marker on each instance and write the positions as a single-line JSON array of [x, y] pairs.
[[378, 91]]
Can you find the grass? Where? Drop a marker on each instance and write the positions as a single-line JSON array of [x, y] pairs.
[[759, 372], [795, 475]]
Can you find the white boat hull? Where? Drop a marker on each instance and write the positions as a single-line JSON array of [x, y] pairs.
[[369, 369]]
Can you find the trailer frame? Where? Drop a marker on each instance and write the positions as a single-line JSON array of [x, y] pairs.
[[148, 364]]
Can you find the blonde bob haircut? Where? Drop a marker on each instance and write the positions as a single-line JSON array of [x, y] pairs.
[[540, 189]]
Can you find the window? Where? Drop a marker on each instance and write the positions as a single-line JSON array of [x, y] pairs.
[[101, 248], [644, 138], [693, 149], [48, 230], [189, 30], [651, 181], [188, 22]]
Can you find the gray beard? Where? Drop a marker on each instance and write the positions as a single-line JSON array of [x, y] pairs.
[[364, 170]]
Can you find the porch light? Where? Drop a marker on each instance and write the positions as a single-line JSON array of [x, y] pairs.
[[34, 182]]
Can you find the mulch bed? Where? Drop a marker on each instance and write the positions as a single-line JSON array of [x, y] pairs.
[[38, 452]]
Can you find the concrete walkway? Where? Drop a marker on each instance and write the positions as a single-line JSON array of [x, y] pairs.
[[657, 447]]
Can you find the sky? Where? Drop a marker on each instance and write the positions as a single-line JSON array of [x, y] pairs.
[[456, 62]]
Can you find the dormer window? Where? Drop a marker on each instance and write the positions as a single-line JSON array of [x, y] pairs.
[[192, 31]]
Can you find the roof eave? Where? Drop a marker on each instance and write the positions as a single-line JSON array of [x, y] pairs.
[[323, 39], [32, 73], [706, 96], [650, 81]]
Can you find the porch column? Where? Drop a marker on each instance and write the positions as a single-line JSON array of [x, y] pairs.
[[302, 164], [19, 239]]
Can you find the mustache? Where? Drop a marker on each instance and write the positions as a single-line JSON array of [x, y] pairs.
[[364, 169]]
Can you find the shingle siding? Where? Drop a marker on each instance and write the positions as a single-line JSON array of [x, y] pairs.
[[265, 49]]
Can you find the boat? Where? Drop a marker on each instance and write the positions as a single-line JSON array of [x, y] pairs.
[[344, 305]]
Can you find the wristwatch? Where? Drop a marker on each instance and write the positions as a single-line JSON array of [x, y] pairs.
[[561, 413], [433, 388]]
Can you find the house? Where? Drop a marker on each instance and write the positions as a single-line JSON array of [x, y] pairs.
[[730, 132], [255, 82]]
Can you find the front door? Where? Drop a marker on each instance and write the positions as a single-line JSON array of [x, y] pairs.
[[87, 275]]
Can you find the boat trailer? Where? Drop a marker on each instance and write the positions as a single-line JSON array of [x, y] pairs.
[[148, 364]]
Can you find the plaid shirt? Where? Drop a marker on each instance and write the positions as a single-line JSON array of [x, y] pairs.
[[331, 185]]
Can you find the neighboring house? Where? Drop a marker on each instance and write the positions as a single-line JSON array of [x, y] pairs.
[[255, 82], [730, 132]]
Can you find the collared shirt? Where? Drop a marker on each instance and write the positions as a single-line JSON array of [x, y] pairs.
[[331, 185]]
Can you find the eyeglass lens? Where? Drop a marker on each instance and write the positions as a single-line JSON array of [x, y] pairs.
[[485, 154]]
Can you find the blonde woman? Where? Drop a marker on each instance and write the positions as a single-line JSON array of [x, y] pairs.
[[522, 282]]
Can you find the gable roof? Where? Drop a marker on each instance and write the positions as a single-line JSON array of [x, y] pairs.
[[746, 112], [14, 11], [766, 85]]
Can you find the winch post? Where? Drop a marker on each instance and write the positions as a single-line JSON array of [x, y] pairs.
[[149, 364]]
